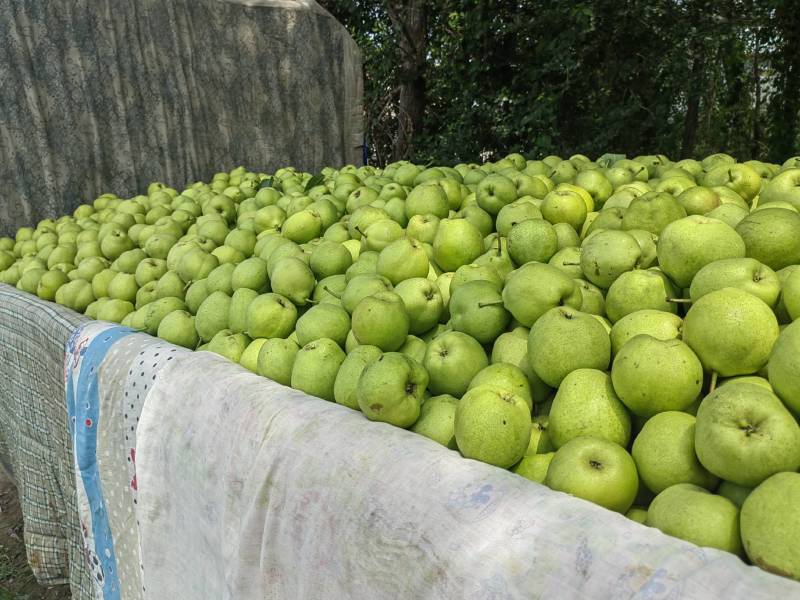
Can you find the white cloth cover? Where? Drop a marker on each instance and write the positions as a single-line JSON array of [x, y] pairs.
[[248, 489]]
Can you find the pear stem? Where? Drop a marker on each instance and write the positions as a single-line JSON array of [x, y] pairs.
[[680, 300], [335, 295], [713, 384], [485, 304], [571, 264]]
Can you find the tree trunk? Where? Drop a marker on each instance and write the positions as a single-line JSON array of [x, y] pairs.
[[409, 21], [692, 118], [787, 101], [755, 138]]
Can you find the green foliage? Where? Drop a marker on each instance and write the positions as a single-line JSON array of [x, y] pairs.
[[682, 78]]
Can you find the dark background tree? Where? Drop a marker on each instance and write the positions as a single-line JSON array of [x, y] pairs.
[[453, 80]]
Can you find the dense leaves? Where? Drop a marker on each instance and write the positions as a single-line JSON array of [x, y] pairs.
[[680, 77]]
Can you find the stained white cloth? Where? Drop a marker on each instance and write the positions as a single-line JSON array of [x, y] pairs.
[[248, 489]]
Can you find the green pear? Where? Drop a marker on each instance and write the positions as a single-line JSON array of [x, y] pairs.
[[49, 283], [423, 303], [540, 441], [473, 272], [512, 347], [664, 453], [515, 213], [564, 206], [276, 359], [114, 310], [195, 294], [535, 288], [687, 245], [596, 470], [127, 262], [219, 280], [784, 368], [123, 287], [242, 240], [149, 269], [699, 200], [323, 321], [427, 199], [293, 279], [146, 295], [639, 290], [423, 228], [251, 274], [114, 244], [365, 264], [652, 212], [735, 493], [228, 344], [790, 294], [694, 514], [237, 312], [587, 405], [402, 259], [170, 284], [437, 420], [780, 307], [492, 425], [732, 214], [330, 258], [476, 308], [772, 236], [731, 331], [504, 376], [744, 434], [607, 254], [532, 240], [658, 324], [269, 316], [390, 389], [744, 273], [770, 525], [452, 360], [457, 242], [478, 217], [178, 327], [212, 316], [592, 298], [196, 264], [346, 383], [567, 236], [157, 310], [568, 261], [534, 467], [565, 339], [381, 320], [652, 376], [637, 514], [414, 347], [362, 286], [494, 192], [315, 368]]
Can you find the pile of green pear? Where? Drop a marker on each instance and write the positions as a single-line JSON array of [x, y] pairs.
[[626, 331]]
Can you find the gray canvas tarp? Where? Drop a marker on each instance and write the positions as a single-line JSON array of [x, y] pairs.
[[107, 96]]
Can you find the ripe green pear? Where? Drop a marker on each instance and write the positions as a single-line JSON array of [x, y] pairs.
[[315, 368], [157, 310], [784, 368], [195, 294], [346, 383], [652, 212], [731, 331], [532, 240], [596, 470], [688, 244], [114, 310], [652, 376], [212, 316], [504, 376], [476, 308], [772, 236], [437, 420], [427, 199], [403, 259], [587, 405], [534, 466], [512, 347], [744, 273], [492, 425], [362, 286], [494, 192], [423, 302], [237, 311], [150, 269], [381, 320], [607, 254], [228, 344], [515, 213], [251, 274], [452, 360], [323, 321], [565, 339], [331, 258], [423, 228], [694, 514], [276, 359], [639, 290], [473, 272], [735, 493], [770, 525], [270, 316], [49, 283], [219, 280], [744, 434], [564, 206], [535, 288], [457, 242], [293, 279], [391, 388], [568, 261], [664, 453], [658, 324], [178, 328]]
